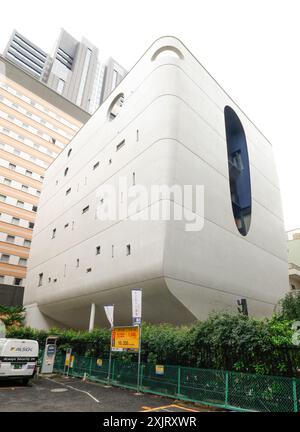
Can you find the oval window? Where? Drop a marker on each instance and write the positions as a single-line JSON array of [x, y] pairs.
[[115, 106], [239, 170]]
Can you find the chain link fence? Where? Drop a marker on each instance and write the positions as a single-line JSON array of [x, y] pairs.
[[224, 389]]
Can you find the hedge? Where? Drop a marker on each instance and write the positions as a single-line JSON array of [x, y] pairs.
[[223, 341]]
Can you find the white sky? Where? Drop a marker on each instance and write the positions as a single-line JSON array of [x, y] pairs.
[[251, 47]]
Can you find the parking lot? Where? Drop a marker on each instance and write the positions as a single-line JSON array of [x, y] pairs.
[[71, 394]]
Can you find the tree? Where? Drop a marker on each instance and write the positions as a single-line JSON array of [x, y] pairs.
[[290, 306]]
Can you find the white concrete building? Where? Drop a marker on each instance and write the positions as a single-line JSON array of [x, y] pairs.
[[167, 123]]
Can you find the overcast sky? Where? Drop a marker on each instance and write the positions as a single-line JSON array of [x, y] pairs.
[[251, 47]]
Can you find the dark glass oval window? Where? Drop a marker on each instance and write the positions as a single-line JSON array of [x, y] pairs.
[[239, 170]]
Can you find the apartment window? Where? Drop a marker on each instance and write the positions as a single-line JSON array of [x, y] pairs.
[[68, 191], [40, 279], [85, 209], [77, 262], [17, 281], [96, 165], [53, 141], [24, 188], [69, 152], [20, 204], [28, 173], [119, 146], [66, 171], [38, 193], [22, 262], [137, 135], [41, 178], [34, 208], [7, 181], [30, 225], [53, 233], [112, 251], [12, 166], [98, 250], [49, 279], [10, 239], [55, 280], [88, 270], [5, 258], [133, 179], [27, 243], [66, 225], [2, 198], [128, 249], [15, 221], [110, 162], [60, 86]]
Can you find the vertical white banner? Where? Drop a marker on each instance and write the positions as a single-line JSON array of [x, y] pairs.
[[136, 306], [109, 310]]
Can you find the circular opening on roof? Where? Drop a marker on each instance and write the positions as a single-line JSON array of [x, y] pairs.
[[115, 106], [167, 51]]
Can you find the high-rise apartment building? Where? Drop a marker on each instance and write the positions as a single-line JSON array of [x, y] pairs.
[[74, 70], [36, 124]]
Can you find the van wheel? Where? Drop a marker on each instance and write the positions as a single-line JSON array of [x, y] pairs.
[[25, 381]]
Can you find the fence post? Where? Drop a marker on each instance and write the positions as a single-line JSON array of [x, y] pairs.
[[91, 362], [226, 387], [294, 383], [142, 375], [113, 370], [179, 381]]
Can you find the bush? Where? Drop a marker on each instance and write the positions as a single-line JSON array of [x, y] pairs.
[[223, 341], [12, 315], [290, 306]]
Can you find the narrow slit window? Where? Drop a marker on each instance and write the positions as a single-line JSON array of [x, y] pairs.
[[85, 209], [120, 145]]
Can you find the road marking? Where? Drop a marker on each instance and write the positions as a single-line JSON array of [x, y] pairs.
[[165, 408], [74, 388]]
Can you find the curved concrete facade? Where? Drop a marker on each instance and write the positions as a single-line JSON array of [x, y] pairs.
[[172, 121]]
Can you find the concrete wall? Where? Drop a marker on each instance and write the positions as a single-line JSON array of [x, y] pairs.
[[172, 121]]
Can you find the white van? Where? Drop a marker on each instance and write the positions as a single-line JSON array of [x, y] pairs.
[[18, 359]]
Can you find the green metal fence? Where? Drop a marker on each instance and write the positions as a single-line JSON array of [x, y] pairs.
[[231, 390]]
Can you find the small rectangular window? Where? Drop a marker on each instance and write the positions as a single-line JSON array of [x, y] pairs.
[[22, 262], [20, 204], [133, 179], [40, 279], [28, 173], [15, 221], [96, 165], [66, 225], [5, 258], [119, 146], [31, 225], [128, 249], [68, 191], [10, 239], [27, 243], [53, 233], [112, 251], [34, 208], [7, 181], [85, 209], [24, 188], [12, 166], [77, 262], [98, 250], [3, 198], [17, 281], [88, 270]]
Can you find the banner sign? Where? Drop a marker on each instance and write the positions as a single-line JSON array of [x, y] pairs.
[[109, 310], [136, 306], [125, 338]]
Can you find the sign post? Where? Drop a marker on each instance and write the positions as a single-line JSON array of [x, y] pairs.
[[109, 310], [137, 321]]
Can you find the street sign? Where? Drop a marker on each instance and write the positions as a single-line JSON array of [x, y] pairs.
[[159, 369], [125, 338]]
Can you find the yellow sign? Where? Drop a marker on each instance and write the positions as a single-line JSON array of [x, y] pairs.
[[125, 338], [67, 361], [99, 362], [159, 369], [72, 361]]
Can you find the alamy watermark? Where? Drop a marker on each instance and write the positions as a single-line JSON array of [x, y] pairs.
[[153, 203]]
